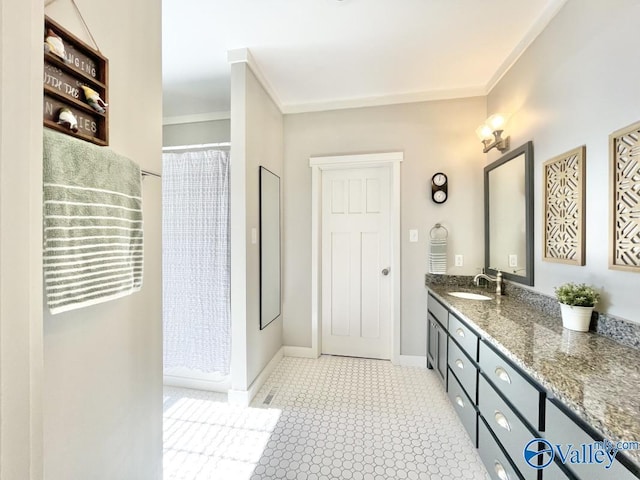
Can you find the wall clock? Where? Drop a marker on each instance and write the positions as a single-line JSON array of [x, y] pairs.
[[439, 188]]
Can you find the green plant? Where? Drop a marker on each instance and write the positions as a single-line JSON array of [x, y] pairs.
[[579, 295]]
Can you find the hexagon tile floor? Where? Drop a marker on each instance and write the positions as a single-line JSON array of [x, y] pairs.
[[331, 418]]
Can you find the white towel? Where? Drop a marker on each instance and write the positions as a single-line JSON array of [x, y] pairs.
[[438, 256]]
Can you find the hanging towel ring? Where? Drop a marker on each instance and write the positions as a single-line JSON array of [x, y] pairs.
[[438, 232]]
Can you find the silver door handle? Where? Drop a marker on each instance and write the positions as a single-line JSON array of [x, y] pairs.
[[385, 271], [500, 471], [502, 374], [460, 332], [459, 401], [502, 420], [459, 364]]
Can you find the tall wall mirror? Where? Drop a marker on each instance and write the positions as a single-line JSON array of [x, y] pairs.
[[508, 215], [270, 284]]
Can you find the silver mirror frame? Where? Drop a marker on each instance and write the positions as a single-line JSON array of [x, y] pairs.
[[270, 248], [527, 150]]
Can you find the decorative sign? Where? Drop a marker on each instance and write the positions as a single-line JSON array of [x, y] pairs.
[[75, 86], [624, 152], [564, 212]]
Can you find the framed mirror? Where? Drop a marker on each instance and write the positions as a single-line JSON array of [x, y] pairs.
[[270, 284], [508, 215]]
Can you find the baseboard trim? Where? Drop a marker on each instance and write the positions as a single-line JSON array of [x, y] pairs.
[[412, 361], [244, 397], [300, 352], [194, 379]]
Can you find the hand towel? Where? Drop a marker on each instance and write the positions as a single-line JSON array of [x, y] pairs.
[[93, 232], [438, 256]]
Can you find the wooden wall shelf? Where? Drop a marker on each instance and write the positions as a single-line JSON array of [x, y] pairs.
[[62, 84]]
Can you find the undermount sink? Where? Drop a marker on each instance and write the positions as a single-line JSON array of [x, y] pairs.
[[469, 295]]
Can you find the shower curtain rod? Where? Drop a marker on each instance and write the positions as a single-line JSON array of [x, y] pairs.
[[202, 145]]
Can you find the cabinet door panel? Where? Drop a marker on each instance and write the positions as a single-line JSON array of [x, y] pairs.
[[563, 431], [438, 311], [493, 457], [464, 369], [515, 388], [506, 425], [464, 407], [464, 336]]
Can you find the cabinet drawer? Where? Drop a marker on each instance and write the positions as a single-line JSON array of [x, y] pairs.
[[563, 431], [492, 456], [554, 472], [505, 424], [462, 334], [464, 408], [463, 369], [515, 387], [438, 310]]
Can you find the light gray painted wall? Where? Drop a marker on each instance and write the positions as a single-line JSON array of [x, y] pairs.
[[257, 139], [196, 133], [575, 85], [434, 136], [103, 364], [21, 340]]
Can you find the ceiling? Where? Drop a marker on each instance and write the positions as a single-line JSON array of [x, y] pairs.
[[325, 54]]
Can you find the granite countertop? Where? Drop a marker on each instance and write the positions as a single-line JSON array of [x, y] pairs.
[[594, 376]]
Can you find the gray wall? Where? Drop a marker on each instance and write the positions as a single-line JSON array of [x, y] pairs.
[[434, 136], [196, 133], [103, 364], [257, 139], [577, 83]]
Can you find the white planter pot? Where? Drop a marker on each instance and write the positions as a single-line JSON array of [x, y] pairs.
[[576, 318]]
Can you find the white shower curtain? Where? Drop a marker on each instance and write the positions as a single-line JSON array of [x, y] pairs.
[[196, 260]]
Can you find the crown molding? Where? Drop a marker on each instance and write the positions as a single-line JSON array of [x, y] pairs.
[[196, 118], [378, 101], [243, 55], [536, 29]]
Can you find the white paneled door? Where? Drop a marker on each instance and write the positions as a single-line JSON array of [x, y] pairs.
[[356, 255]]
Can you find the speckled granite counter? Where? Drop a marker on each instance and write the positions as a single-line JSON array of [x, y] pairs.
[[594, 376]]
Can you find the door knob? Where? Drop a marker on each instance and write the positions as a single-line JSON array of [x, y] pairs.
[[385, 271]]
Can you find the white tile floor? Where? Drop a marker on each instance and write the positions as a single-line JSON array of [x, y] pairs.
[[330, 418]]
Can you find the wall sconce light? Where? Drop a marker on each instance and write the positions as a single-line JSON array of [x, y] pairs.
[[490, 133]]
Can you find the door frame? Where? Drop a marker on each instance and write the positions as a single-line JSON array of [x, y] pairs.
[[391, 160]]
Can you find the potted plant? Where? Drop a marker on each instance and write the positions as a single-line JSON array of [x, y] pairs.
[[576, 304]]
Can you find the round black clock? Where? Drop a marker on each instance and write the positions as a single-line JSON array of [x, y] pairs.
[[439, 188]]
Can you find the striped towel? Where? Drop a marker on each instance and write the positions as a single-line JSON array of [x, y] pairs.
[[438, 256], [93, 244]]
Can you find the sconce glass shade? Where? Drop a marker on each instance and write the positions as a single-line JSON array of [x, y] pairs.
[[484, 132], [496, 122]]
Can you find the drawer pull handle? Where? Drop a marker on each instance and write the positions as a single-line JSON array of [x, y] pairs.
[[459, 401], [502, 374], [459, 364], [500, 471], [502, 420], [460, 332]]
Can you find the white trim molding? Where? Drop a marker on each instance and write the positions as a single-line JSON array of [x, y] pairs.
[[244, 397], [300, 352], [243, 55], [186, 378], [196, 118], [318, 164], [419, 361]]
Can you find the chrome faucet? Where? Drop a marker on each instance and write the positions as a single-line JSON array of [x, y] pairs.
[[497, 279]]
